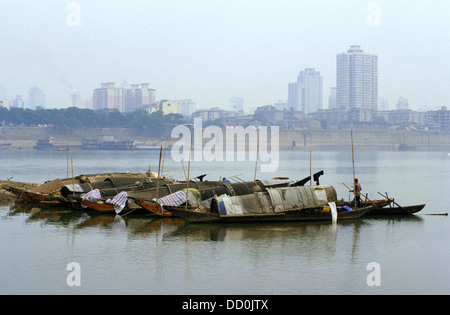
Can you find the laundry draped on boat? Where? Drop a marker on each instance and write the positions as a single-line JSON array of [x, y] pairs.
[[333, 211], [93, 195], [175, 199], [119, 201]]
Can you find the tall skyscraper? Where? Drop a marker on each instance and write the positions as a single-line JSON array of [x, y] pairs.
[[36, 98], [305, 95], [357, 79], [76, 98]]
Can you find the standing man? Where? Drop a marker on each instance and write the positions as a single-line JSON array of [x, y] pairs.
[[357, 191]]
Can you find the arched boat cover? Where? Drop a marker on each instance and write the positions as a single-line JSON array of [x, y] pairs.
[[277, 200]]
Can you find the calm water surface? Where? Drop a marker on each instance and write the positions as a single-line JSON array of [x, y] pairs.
[[142, 255]]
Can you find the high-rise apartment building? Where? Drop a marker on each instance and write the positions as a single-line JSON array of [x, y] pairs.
[[305, 95], [186, 107], [356, 79], [137, 96], [124, 98], [108, 97]]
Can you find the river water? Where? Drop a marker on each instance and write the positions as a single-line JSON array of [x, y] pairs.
[[142, 255]]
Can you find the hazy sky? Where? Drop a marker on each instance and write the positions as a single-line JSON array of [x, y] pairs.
[[212, 50]]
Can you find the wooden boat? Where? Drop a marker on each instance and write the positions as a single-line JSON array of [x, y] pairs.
[[22, 194], [51, 190], [287, 216], [379, 203], [98, 206], [300, 203], [153, 208], [406, 210], [205, 189], [104, 207]]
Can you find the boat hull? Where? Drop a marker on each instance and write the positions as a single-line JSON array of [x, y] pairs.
[[378, 203], [407, 210], [287, 216], [153, 208]]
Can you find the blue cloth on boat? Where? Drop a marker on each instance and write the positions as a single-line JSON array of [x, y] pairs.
[[347, 208], [222, 209]]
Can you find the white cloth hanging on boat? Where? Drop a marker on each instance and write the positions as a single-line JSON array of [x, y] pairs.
[[333, 211]]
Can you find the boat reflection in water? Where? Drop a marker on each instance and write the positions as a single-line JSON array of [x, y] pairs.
[[173, 227]]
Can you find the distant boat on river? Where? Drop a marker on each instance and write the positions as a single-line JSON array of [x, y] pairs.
[[47, 144], [108, 143]]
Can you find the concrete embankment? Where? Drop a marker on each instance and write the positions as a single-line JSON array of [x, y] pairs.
[[26, 137], [341, 139]]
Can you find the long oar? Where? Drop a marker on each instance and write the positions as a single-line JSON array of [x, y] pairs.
[[393, 201]]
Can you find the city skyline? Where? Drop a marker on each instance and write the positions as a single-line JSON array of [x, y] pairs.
[[209, 51]]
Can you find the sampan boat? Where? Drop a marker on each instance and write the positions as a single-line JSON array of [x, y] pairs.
[[406, 210], [287, 216], [55, 191], [379, 203], [153, 208], [305, 203]]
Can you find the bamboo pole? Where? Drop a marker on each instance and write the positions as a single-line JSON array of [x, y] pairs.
[[73, 184], [189, 169], [159, 169], [164, 157], [184, 171], [353, 163], [67, 149], [310, 168], [257, 155]]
